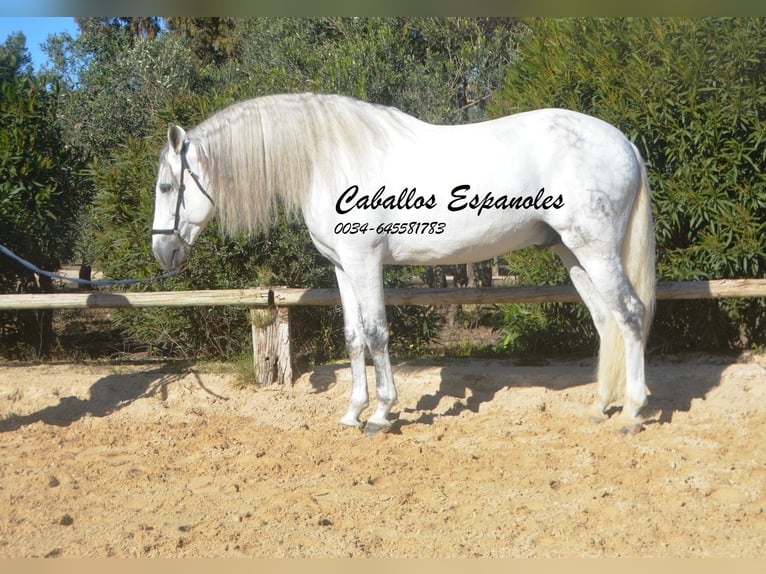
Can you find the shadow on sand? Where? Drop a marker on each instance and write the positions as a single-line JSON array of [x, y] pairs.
[[672, 386], [107, 395]]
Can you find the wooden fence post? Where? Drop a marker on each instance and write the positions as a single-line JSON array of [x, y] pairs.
[[272, 358]]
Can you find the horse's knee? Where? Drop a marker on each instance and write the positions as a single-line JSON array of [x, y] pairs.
[[377, 336], [355, 341]]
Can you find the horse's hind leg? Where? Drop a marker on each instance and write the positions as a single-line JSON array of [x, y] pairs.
[[619, 359], [599, 314]]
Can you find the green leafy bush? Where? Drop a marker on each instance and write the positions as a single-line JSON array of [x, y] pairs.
[[689, 93], [42, 192], [542, 328]]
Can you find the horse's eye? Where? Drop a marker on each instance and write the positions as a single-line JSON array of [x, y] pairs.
[[165, 187]]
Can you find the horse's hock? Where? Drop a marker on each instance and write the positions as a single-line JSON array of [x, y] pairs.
[[272, 359]]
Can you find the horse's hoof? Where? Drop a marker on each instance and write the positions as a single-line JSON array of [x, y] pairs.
[[371, 429], [596, 415], [357, 424], [631, 427]]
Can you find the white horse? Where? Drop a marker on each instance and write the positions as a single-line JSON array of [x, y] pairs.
[[377, 186]]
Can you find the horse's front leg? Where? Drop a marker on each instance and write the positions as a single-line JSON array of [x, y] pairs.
[[366, 325], [359, 395], [355, 344], [377, 341]]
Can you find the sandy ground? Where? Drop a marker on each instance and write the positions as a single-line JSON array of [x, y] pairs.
[[485, 459]]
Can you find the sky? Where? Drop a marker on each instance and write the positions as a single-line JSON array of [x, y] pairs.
[[36, 30]]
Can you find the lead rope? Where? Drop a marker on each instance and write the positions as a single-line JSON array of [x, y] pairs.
[[97, 283]]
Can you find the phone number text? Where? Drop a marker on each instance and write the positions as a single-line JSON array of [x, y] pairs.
[[399, 228]]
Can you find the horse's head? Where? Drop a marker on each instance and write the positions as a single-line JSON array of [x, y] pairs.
[[183, 205]]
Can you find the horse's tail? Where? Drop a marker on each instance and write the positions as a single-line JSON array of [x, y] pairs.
[[638, 261]]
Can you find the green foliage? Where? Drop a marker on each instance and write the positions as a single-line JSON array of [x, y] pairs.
[[546, 329], [428, 67], [689, 93], [542, 328], [42, 189], [125, 84], [14, 58], [412, 328]]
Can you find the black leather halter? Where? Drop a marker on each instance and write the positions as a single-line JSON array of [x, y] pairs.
[[179, 202]]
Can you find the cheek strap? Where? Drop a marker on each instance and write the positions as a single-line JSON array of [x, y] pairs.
[[180, 200]]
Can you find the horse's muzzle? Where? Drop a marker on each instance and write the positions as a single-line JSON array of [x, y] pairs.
[[170, 251]]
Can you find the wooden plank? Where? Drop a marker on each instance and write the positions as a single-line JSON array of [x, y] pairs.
[[714, 289], [208, 298], [436, 296], [305, 297]]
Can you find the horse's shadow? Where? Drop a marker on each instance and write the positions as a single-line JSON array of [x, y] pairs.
[[465, 382], [107, 395], [673, 386]]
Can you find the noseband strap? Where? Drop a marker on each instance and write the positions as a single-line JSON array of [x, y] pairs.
[[180, 200]]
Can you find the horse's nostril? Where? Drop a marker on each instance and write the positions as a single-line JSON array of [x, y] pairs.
[[174, 262]]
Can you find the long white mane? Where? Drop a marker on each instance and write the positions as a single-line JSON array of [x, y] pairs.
[[271, 149]]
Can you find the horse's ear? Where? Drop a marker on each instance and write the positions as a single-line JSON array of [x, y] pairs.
[[176, 137]]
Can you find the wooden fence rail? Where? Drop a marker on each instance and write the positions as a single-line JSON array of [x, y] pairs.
[[285, 297], [270, 318]]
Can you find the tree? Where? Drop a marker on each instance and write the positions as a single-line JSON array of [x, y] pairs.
[[42, 189], [689, 93], [14, 57], [213, 41], [118, 74]]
